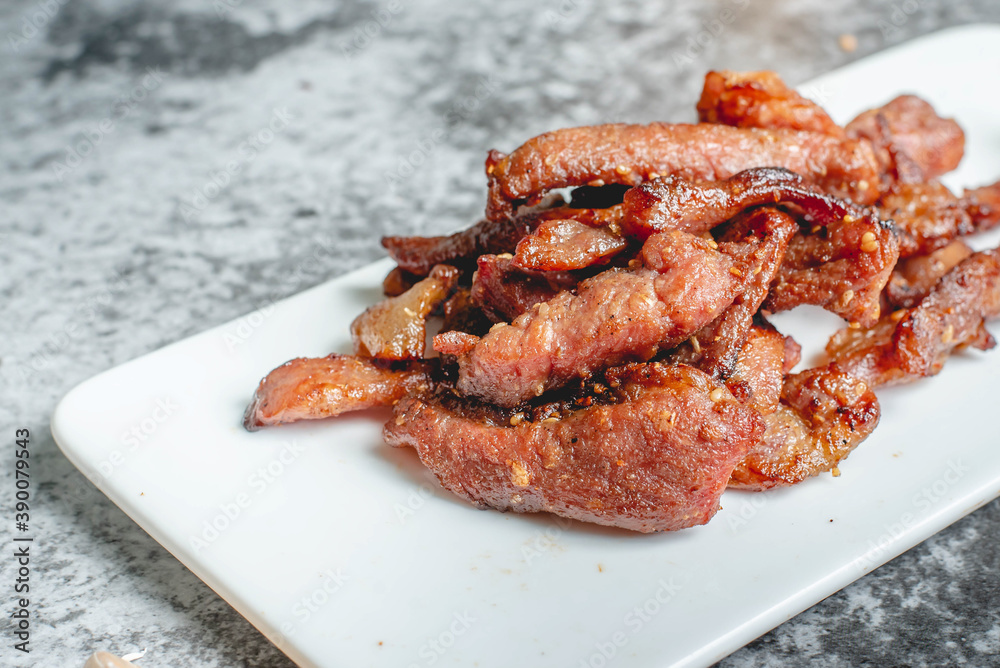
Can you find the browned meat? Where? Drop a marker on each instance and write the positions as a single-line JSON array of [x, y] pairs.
[[915, 277], [756, 378], [673, 203], [912, 142], [841, 267], [398, 281], [631, 154], [309, 389], [504, 292], [824, 414], [565, 245], [657, 459], [396, 327], [617, 316], [760, 100], [715, 348], [913, 343], [461, 313], [928, 215]]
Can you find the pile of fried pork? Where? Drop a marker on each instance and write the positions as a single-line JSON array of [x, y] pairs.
[[604, 351]]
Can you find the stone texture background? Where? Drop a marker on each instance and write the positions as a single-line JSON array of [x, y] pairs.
[[109, 252]]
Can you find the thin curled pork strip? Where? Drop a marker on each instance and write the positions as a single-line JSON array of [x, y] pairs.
[[716, 347], [566, 245], [657, 459], [631, 154], [615, 317], [760, 100], [396, 327], [321, 387], [913, 343], [503, 292], [913, 143], [913, 278], [824, 414]]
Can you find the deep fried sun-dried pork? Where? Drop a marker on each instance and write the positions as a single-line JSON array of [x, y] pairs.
[[320, 387], [631, 154], [617, 316], [657, 459]]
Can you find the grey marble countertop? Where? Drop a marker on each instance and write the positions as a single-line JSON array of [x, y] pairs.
[[116, 118]]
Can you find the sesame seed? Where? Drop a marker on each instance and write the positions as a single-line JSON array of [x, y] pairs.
[[408, 311], [835, 471], [868, 242], [898, 315], [849, 218], [497, 326], [735, 272], [711, 242], [505, 256], [854, 325], [539, 389], [949, 334], [550, 420], [516, 419], [717, 394], [695, 344], [543, 309], [815, 229], [862, 185], [846, 297], [654, 175], [623, 169]]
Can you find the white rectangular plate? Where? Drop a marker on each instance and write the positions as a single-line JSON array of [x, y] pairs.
[[344, 552]]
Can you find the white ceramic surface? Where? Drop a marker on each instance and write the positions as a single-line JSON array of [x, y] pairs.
[[345, 552]]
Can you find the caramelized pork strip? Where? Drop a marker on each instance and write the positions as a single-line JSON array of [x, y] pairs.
[[631, 154], [912, 143], [913, 343], [321, 387], [675, 203], [758, 374], [504, 292], [715, 348], [760, 100], [396, 327], [616, 316], [566, 245], [824, 414], [928, 216], [913, 278], [656, 459], [842, 267]]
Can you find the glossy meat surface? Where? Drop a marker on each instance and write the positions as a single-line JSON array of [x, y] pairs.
[[760, 100], [321, 387], [631, 154], [566, 245], [396, 327]]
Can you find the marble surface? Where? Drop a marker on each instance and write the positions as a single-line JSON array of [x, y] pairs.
[[168, 167]]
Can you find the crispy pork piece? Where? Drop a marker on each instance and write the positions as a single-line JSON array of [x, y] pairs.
[[631, 154], [913, 278], [757, 376], [913, 343], [716, 347], [398, 281], [396, 327], [674, 203], [566, 245], [842, 267], [824, 414], [760, 100], [913, 144], [615, 317], [928, 216], [656, 459], [504, 292], [314, 388]]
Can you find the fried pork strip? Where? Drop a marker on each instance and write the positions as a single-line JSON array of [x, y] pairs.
[[320, 387], [913, 278], [913, 343], [617, 316], [656, 460], [824, 414], [760, 100], [566, 245], [913, 144], [631, 154], [396, 327], [928, 215], [504, 292], [716, 347], [841, 267]]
